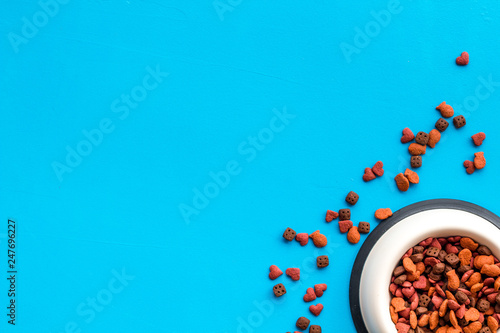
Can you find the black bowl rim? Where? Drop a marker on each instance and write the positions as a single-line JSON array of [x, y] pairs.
[[397, 216]]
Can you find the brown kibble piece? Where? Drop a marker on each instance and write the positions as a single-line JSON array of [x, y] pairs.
[[434, 137], [416, 149], [353, 235], [352, 198], [383, 213], [279, 290], [344, 214], [422, 138], [445, 109], [441, 125], [289, 234], [412, 176], [459, 121], [322, 261], [402, 182], [416, 161], [314, 329], [364, 227], [302, 323]]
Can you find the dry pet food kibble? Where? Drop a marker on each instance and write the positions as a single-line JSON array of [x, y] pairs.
[[416, 149], [434, 137], [364, 227], [378, 169], [422, 138], [289, 234], [478, 138], [353, 235], [402, 182], [412, 176], [459, 121], [274, 272], [279, 290], [383, 213], [416, 161], [319, 289], [310, 295], [344, 226], [344, 214], [316, 309], [294, 273], [352, 198], [441, 125], [444, 285], [322, 261], [302, 323], [445, 109], [479, 160], [463, 59], [368, 175], [302, 238], [331, 215], [315, 329], [318, 239], [407, 135], [469, 167]]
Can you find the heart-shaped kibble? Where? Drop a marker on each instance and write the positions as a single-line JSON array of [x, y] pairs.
[[463, 59], [408, 292], [407, 135], [310, 295], [319, 289], [478, 138], [316, 309], [378, 168], [294, 273], [421, 283], [369, 175], [344, 226], [331, 215], [274, 272], [302, 238]]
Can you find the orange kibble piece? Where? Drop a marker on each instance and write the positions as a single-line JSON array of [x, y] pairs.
[[453, 280], [481, 260], [442, 329], [465, 255], [413, 319], [492, 324], [473, 327], [475, 288], [443, 308], [402, 182], [446, 110], [479, 160], [394, 314], [353, 235], [416, 149], [472, 314], [424, 320], [490, 270], [433, 320], [450, 296], [409, 265], [468, 243], [420, 267], [434, 137], [473, 279], [453, 320], [398, 303], [383, 213], [319, 239], [496, 285], [412, 176]]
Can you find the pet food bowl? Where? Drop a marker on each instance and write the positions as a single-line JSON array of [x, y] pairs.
[[372, 270]]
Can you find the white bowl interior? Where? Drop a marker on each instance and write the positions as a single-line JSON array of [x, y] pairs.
[[374, 295]]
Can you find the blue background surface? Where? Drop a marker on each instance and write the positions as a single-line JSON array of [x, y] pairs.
[[118, 211]]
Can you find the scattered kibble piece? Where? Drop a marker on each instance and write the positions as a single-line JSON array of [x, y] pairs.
[[331, 215], [309, 296], [279, 290], [378, 169], [352, 198], [316, 309], [318, 239], [368, 175], [459, 121], [416, 161], [289, 234], [383, 213], [469, 167], [364, 227], [344, 226], [402, 182], [463, 59], [302, 323], [479, 160], [412, 176], [478, 138], [344, 214], [294, 273], [416, 149], [274, 272], [353, 235], [315, 329], [407, 135], [422, 138], [441, 125], [302, 238], [322, 261], [319, 289], [445, 109], [434, 137]]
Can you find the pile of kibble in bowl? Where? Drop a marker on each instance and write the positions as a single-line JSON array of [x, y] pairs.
[[446, 285]]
